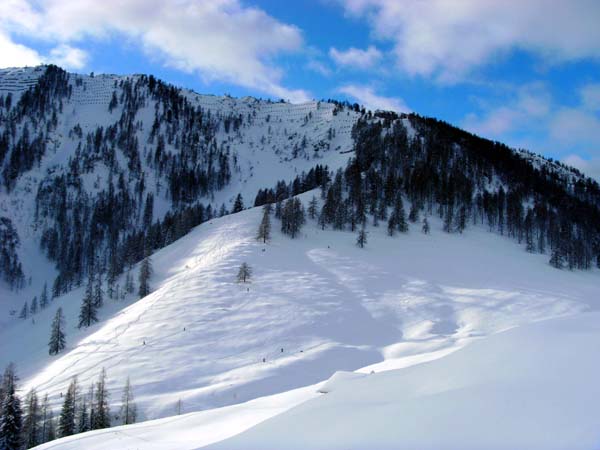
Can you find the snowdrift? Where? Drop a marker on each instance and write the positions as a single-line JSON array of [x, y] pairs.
[[533, 387]]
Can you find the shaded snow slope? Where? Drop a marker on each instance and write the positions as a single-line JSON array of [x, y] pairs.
[[534, 387], [528, 387], [187, 431], [201, 337]]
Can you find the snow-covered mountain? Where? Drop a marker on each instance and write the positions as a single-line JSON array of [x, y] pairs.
[[162, 148], [100, 172]]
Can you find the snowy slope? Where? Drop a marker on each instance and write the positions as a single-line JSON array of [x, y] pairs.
[[328, 304], [277, 141], [188, 431], [531, 387], [15, 81], [525, 388]]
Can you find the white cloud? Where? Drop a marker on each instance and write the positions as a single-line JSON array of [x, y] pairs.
[[318, 67], [494, 124], [590, 167], [16, 55], [365, 95], [531, 103], [590, 96], [218, 39], [559, 129], [68, 57], [18, 15], [447, 39], [575, 126], [362, 59]]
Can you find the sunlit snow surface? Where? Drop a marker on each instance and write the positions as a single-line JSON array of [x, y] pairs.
[[533, 387], [328, 304]]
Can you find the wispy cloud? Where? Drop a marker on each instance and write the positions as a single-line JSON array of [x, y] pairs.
[[318, 67], [566, 131], [68, 57], [590, 96], [530, 103], [220, 40], [355, 57], [575, 127], [590, 167], [366, 95]]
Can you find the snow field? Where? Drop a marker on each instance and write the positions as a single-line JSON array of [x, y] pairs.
[[328, 304]]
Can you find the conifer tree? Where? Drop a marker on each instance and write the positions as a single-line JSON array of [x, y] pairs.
[[292, 217], [375, 220], [128, 406], [144, 277], [399, 215], [238, 205], [24, 311], [11, 414], [528, 225], [92, 404], [33, 309], [312, 208], [382, 211], [88, 314], [44, 297], [413, 215], [129, 286], [322, 218], [461, 220], [425, 227], [110, 288], [391, 226], [113, 102], [47, 421], [148, 210], [244, 273], [32, 435], [98, 294], [56, 287], [66, 421], [7, 377], [101, 417], [264, 229], [83, 416], [448, 219], [57, 333], [361, 239], [556, 259]]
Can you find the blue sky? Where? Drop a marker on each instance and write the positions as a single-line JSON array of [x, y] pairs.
[[523, 72]]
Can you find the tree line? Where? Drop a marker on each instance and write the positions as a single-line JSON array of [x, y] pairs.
[[463, 179], [83, 228], [11, 269], [28, 422]]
